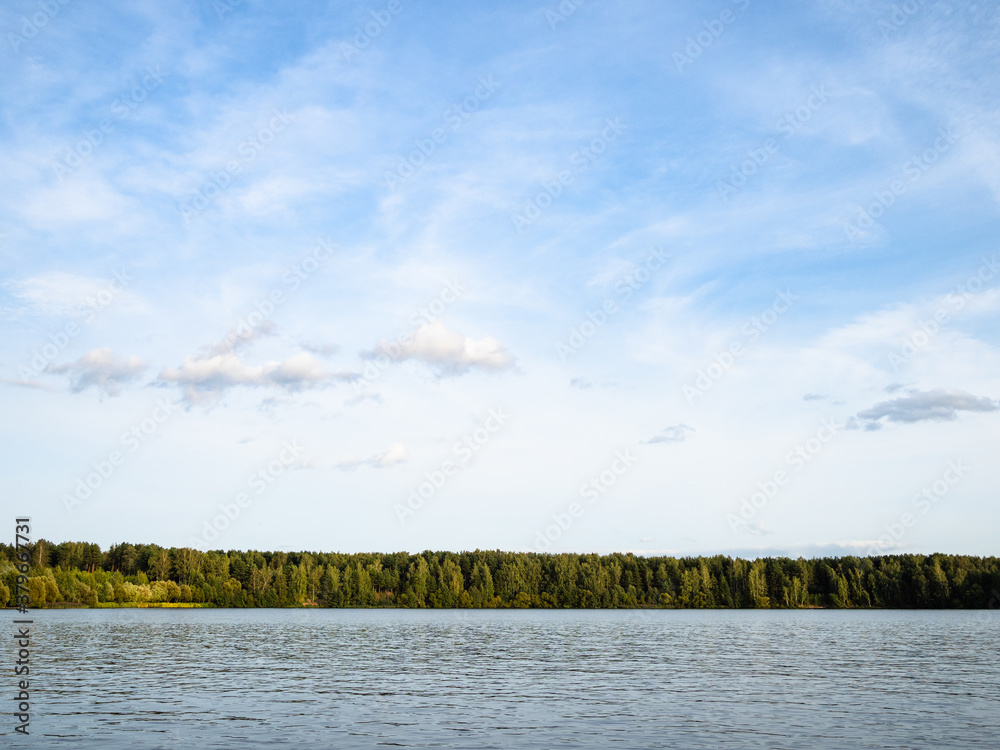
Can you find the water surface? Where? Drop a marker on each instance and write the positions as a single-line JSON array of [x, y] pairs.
[[514, 679]]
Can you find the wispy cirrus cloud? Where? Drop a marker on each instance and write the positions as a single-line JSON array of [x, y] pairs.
[[60, 294]]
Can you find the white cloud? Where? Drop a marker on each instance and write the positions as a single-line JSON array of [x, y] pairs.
[[21, 383], [815, 549], [362, 397], [61, 294], [396, 454], [939, 404], [586, 384], [241, 337], [99, 369], [213, 374], [676, 433], [323, 350], [453, 352]]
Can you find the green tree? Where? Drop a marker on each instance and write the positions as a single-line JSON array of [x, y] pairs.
[[418, 582], [361, 583], [481, 586], [757, 585], [299, 585], [159, 565], [450, 584], [36, 591]]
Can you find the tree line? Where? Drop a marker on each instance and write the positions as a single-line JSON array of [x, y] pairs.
[[132, 574]]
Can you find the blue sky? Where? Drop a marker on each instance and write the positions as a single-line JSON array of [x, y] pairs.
[[577, 277]]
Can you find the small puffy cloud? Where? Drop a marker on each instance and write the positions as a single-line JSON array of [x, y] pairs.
[[216, 373], [362, 397], [396, 454], [585, 384], [939, 404], [676, 433], [753, 527], [323, 350], [853, 423], [241, 337], [453, 352], [813, 397], [98, 368]]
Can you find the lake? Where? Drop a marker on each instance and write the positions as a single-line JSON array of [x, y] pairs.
[[339, 678]]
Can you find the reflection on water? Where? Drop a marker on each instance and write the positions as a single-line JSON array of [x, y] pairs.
[[515, 678]]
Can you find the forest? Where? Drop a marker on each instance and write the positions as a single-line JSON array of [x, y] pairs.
[[82, 574]]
